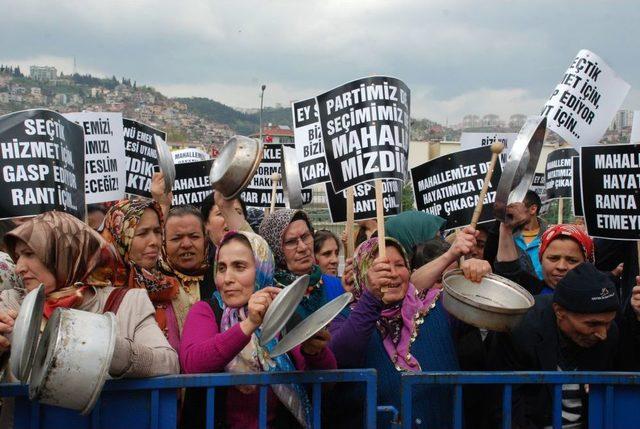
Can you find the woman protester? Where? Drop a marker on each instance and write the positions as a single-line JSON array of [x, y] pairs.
[[326, 248], [562, 248], [221, 335], [290, 237], [394, 327], [135, 229], [75, 266], [185, 253]]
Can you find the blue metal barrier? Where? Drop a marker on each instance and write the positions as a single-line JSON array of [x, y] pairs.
[[152, 402], [614, 397]]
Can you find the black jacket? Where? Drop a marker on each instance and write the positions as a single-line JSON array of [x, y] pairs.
[[534, 346]]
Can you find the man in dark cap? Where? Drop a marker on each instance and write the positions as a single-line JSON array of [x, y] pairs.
[[573, 329]]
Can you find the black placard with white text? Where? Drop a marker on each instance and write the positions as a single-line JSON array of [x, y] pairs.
[[364, 200], [610, 176], [192, 184], [365, 130], [258, 193], [576, 189], [449, 186], [142, 156], [557, 173], [42, 164]]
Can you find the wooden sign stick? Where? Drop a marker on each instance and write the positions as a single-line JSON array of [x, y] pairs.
[[496, 150], [275, 179], [382, 248], [349, 226]]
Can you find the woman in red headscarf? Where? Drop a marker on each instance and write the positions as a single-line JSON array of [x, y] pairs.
[[562, 248]]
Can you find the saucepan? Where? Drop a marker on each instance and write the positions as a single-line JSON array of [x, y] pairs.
[[73, 359], [496, 303], [235, 165], [520, 168], [291, 184]]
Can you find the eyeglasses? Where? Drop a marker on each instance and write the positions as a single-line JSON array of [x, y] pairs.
[[292, 243]]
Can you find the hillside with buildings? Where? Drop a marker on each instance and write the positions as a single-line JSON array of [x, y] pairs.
[[199, 121]]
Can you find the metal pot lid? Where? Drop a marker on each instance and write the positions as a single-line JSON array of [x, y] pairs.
[[494, 293], [291, 184], [282, 308], [165, 161], [237, 147], [26, 332], [519, 170], [312, 324]]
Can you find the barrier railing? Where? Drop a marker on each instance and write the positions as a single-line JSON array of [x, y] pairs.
[[152, 402], [614, 398]]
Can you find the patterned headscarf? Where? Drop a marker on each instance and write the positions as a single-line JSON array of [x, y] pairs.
[[8, 277], [254, 358], [119, 229], [74, 253], [571, 231], [273, 227], [398, 322]]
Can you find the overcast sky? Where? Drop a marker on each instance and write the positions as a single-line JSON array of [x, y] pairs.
[[458, 57]]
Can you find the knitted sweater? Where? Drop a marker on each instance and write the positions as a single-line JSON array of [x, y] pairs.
[[357, 343]]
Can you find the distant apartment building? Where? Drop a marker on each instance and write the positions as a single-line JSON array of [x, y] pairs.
[[275, 134], [61, 99], [471, 121], [623, 119], [517, 121], [43, 73]]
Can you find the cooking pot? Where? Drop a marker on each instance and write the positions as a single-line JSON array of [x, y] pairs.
[[235, 165], [73, 359], [496, 303]]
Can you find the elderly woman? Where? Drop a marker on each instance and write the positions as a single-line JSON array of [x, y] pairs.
[[75, 264], [134, 228], [290, 236], [326, 248], [393, 327], [562, 248], [222, 335]]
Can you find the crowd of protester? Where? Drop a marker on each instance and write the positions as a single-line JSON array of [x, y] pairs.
[[190, 287]]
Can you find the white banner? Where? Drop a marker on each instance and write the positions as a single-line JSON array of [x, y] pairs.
[[635, 128], [184, 156], [474, 140], [585, 101], [105, 170]]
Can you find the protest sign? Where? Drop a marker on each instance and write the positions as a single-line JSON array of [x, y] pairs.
[[364, 200], [635, 128], [576, 188], [192, 183], [42, 164], [308, 143], [557, 173], [474, 140], [258, 193], [449, 186], [538, 186], [142, 156], [184, 156], [585, 101], [365, 130], [104, 157], [610, 176]]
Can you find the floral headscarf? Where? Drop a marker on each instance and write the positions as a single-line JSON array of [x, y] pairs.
[[119, 229], [571, 231], [254, 358], [8, 277], [272, 229], [74, 253], [398, 324]]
